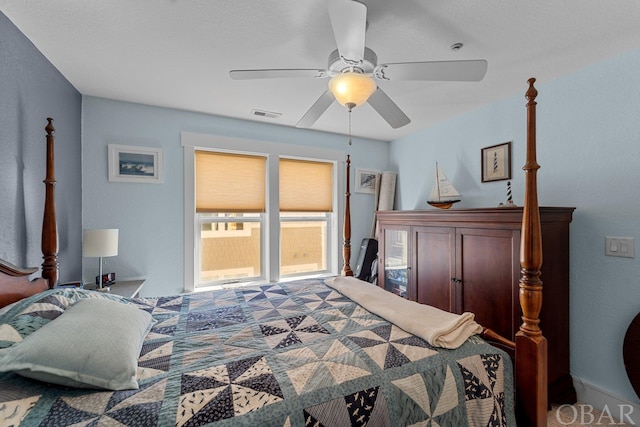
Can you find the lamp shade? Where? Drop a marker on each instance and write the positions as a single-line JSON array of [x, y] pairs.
[[352, 89], [100, 243]]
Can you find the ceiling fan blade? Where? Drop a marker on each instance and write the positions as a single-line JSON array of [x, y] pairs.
[[388, 109], [349, 23], [277, 74], [316, 110], [462, 71]]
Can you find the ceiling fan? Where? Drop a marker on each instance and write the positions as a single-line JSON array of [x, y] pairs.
[[352, 69]]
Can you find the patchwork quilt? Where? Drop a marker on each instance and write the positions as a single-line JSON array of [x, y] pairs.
[[285, 354]]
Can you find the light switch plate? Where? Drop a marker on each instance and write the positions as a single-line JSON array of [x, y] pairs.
[[619, 246]]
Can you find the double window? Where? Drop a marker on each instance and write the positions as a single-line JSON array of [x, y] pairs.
[[258, 216]]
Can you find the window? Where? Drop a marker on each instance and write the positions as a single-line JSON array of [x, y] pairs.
[[306, 205], [230, 203], [257, 211]]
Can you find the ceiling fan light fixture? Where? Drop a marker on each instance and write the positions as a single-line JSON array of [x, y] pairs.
[[352, 88]]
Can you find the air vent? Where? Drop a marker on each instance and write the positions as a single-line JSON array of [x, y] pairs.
[[267, 114]]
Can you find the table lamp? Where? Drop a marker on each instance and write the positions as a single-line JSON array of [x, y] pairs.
[[100, 243]]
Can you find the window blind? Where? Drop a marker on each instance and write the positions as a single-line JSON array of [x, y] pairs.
[[227, 182], [306, 186]]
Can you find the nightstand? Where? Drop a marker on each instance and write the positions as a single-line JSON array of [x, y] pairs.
[[125, 288]]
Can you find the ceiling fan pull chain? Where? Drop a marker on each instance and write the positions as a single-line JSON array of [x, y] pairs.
[[349, 126]]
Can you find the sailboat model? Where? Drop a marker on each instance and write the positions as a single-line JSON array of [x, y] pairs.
[[443, 194]]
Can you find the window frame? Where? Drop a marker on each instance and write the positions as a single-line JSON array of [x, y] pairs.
[[273, 151]]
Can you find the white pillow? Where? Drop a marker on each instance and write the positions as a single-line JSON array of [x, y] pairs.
[[95, 343]]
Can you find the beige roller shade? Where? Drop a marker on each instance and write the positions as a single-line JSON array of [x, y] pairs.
[[306, 186], [228, 182]]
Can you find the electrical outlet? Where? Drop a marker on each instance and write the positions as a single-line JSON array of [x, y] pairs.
[[619, 246]]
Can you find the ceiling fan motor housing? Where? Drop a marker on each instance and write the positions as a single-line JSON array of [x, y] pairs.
[[339, 65]]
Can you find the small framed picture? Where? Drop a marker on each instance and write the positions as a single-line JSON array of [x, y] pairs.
[[135, 164], [366, 181], [496, 162]]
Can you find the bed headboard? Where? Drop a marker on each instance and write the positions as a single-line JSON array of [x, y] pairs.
[[15, 283], [14, 280]]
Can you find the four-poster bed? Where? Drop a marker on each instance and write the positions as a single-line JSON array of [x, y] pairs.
[[295, 353]]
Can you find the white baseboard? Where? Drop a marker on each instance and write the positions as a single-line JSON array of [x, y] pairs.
[[602, 400]]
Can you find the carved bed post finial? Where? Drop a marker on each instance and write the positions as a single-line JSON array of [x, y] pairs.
[[49, 227], [531, 345], [346, 250]]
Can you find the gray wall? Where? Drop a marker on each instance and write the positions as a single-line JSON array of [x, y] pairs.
[[32, 89]]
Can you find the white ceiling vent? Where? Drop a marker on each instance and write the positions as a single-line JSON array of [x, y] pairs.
[[267, 114]]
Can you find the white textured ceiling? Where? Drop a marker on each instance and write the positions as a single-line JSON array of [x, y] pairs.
[[178, 53]]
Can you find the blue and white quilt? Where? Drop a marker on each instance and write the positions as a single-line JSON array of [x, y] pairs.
[[285, 354]]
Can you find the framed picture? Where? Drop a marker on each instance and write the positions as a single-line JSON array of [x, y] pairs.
[[496, 162], [366, 181], [135, 164]]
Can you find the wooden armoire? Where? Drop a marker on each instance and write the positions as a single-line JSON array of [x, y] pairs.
[[469, 260]]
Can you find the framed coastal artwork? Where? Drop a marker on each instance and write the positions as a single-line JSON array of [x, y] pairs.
[[496, 162], [135, 164], [366, 181]]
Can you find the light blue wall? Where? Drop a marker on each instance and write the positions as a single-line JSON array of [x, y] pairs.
[[150, 216], [588, 137], [32, 89]]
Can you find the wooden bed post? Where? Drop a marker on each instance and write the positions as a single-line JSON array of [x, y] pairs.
[[531, 346], [49, 227], [346, 250]]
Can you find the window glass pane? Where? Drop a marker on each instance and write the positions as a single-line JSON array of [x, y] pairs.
[[303, 246], [395, 261], [229, 251]]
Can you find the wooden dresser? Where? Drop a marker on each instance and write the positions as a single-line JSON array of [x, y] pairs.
[[469, 260]]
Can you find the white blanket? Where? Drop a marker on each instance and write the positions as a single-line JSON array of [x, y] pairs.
[[439, 328]]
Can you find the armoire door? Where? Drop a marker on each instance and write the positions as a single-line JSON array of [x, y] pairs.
[[487, 271], [434, 258]]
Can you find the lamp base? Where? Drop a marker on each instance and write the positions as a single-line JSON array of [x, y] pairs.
[[104, 289]]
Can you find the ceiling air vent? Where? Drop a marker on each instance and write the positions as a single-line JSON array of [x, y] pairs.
[[267, 114]]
